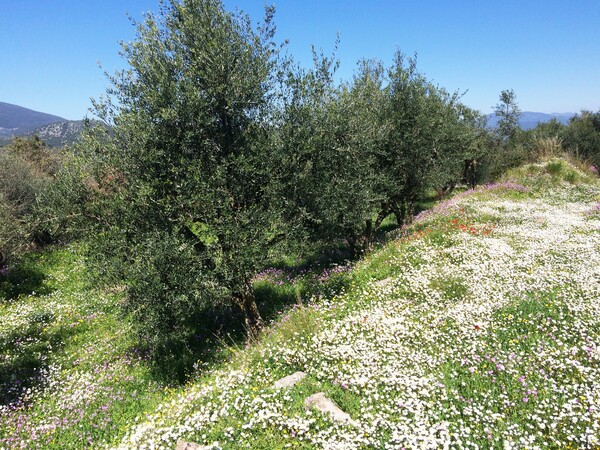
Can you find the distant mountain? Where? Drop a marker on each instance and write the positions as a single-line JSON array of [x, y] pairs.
[[55, 131], [60, 134], [529, 120], [16, 120]]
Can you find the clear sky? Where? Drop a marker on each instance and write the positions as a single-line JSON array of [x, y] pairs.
[[548, 51]]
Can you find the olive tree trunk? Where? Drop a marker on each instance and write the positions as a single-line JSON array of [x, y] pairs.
[[253, 321]]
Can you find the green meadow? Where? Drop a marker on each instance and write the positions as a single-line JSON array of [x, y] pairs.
[[478, 326]]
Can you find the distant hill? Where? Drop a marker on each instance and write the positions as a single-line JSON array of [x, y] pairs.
[[55, 131], [16, 120], [529, 120], [60, 134]]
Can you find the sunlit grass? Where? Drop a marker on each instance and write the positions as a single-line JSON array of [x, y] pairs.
[[70, 375]]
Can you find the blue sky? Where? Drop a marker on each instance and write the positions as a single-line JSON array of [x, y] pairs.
[[548, 51]]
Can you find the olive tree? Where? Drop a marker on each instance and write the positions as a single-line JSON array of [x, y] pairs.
[[180, 187], [328, 137], [358, 152], [429, 134]]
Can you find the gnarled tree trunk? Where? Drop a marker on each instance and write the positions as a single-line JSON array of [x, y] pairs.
[[399, 211], [246, 300]]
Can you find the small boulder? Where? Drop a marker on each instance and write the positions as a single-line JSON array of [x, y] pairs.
[[384, 282], [290, 380], [325, 405]]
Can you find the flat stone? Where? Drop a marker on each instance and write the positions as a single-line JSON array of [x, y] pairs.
[[290, 380], [384, 282], [182, 445], [325, 405]]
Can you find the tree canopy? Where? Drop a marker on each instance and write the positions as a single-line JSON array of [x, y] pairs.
[[508, 111], [582, 136], [221, 151], [185, 177]]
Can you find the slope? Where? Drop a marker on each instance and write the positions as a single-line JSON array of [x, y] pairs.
[[60, 134], [16, 120], [478, 325]]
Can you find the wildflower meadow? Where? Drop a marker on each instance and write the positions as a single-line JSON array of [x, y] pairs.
[[478, 326]]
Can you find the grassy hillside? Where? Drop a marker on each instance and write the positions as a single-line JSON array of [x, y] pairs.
[[477, 327]]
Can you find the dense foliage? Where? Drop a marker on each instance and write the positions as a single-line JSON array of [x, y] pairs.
[[357, 153], [221, 153], [327, 140], [430, 136], [582, 137], [27, 169], [183, 185]]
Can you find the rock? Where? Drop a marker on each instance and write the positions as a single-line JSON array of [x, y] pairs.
[[182, 445], [323, 404], [290, 380], [384, 282]]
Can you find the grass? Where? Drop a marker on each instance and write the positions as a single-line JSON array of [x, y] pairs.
[[478, 327], [69, 374]]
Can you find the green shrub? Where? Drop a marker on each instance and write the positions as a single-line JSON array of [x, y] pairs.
[[555, 167], [27, 169], [19, 184], [560, 169], [500, 158], [582, 137], [41, 160]]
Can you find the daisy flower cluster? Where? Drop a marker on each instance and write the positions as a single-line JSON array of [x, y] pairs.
[[66, 379]]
